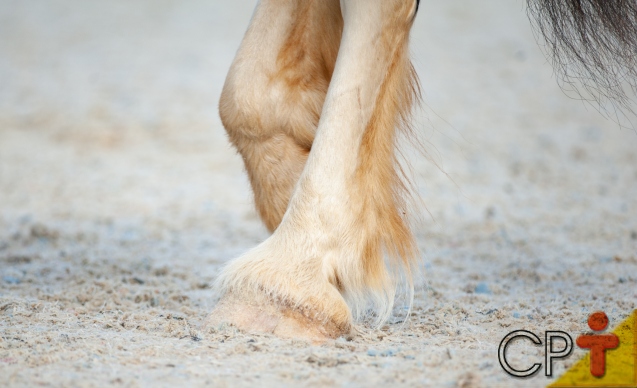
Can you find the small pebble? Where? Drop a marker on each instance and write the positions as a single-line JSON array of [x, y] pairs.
[[388, 353], [482, 288], [11, 280], [516, 315], [372, 352]]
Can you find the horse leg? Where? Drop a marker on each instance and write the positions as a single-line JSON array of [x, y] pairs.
[[346, 209], [274, 93]]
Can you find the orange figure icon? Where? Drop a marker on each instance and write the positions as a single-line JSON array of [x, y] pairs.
[[598, 343]]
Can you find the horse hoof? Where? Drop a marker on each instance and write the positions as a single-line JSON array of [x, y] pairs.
[[266, 316]]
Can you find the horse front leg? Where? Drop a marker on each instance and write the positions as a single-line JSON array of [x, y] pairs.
[[325, 261], [274, 93]]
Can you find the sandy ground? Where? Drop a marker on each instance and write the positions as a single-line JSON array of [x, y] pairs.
[[120, 199]]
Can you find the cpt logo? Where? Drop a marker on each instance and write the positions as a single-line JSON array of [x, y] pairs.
[[550, 353], [596, 343]]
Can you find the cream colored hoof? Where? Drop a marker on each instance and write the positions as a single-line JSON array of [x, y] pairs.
[[267, 317]]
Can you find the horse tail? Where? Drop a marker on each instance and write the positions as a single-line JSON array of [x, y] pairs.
[[593, 47]]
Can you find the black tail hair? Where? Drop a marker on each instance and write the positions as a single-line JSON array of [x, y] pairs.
[[593, 47]]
